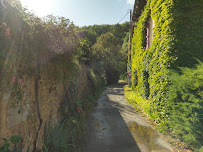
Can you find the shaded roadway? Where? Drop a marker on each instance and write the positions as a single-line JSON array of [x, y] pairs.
[[114, 126]]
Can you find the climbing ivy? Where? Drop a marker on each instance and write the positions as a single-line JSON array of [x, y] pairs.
[[177, 36], [151, 65]]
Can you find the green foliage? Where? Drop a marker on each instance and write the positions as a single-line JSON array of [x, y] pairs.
[[177, 37], [92, 36], [135, 99], [36, 40], [65, 135], [94, 80], [107, 57], [188, 30], [151, 65], [95, 31], [52, 44], [125, 45], [120, 30], [86, 55], [124, 51], [185, 105], [15, 141], [201, 149]]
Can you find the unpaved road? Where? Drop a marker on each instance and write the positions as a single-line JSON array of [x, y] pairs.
[[114, 126]]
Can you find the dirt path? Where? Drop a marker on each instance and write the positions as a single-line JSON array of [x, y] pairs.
[[114, 126]]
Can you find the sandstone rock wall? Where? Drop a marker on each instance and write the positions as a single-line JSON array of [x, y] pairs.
[[30, 102]]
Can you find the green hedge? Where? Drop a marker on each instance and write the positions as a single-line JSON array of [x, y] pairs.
[[185, 105]]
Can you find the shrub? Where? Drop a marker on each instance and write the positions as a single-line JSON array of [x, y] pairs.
[[185, 105], [176, 42]]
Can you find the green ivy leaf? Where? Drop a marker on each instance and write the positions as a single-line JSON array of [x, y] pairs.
[[5, 140], [16, 139], [6, 147]]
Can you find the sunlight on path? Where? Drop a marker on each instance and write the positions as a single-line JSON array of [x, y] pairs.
[[114, 126]]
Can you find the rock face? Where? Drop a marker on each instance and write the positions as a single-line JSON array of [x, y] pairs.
[[28, 105], [42, 78]]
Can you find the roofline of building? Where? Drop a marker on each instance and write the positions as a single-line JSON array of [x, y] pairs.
[[138, 8]]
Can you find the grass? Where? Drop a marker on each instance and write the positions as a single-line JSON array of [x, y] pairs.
[[65, 136], [136, 100], [142, 107]]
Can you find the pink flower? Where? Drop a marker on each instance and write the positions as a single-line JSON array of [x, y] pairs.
[[14, 79], [78, 75], [20, 80], [8, 31], [4, 24], [84, 114], [78, 109], [67, 72]]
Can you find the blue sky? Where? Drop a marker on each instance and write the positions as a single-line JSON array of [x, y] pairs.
[[83, 12]]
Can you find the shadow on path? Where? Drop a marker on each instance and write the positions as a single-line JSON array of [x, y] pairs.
[[108, 131], [114, 126]]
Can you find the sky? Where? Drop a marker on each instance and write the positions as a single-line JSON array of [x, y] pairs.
[[83, 12]]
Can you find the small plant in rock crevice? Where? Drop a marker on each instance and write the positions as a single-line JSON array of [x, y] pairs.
[[14, 141]]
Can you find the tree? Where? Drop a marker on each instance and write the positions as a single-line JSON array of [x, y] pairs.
[[108, 57]]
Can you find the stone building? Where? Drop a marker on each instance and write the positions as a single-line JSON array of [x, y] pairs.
[[165, 35]]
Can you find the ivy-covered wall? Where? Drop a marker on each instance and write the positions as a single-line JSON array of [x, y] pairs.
[[177, 41], [151, 65], [188, 31]]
